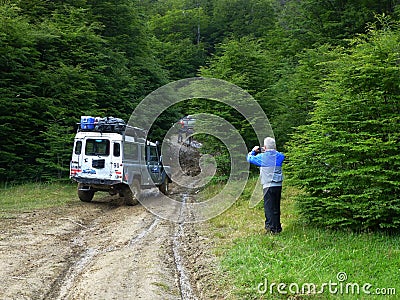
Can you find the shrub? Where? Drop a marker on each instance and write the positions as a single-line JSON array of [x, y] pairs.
[[347, 159]]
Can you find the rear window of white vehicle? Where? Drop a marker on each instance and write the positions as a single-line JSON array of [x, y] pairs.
[[95, 147], [78, 147]]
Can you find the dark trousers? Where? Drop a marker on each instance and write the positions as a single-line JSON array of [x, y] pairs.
[[272, 208], [180, 132]]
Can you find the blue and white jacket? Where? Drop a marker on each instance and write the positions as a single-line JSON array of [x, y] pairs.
[[270, 163]]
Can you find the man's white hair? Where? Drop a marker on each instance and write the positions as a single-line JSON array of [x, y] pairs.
[[269, 143]]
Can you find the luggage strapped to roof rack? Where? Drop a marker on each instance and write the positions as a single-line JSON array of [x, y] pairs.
[[108, 124]]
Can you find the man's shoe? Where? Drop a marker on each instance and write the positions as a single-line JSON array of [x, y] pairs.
[[270, 231]]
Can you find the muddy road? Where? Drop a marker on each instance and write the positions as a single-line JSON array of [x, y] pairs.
[[101, 250]]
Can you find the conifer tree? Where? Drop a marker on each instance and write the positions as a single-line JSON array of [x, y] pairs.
[[347, 159]]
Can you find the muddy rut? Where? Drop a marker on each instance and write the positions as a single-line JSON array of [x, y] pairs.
[[99, 250]]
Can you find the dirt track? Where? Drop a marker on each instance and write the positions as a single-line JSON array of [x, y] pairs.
[[99, 250]]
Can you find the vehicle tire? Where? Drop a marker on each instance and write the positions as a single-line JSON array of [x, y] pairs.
[[112, 192], [164, 187], [131, 195], [85, 196]]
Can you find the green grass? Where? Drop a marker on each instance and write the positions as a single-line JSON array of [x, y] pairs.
[[31, 196], [301, 254]]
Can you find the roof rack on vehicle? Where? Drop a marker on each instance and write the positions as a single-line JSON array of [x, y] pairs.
[[110, 125], [97, 124], [139, 133]]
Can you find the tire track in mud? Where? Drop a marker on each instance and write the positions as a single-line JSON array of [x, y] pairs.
[[68, 281], [185, 287], [141, 235], [172, 280], [102, 237], [65, 284], [197, 266]]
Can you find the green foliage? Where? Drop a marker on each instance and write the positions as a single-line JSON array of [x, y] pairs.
[[180, 59], [297, 90], [315, 22], [241, 18], [242, 62], [178, 38], [18, 61], [347, 159]]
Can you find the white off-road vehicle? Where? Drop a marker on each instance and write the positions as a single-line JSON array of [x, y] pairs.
[[113, 157]]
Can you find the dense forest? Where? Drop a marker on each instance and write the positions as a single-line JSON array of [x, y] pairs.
[[325, 72]]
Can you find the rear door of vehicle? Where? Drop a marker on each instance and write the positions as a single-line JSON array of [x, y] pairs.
[[116, 161], [96, 161]]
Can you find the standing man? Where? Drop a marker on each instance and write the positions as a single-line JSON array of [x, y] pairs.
[[181, 130], [270, 162]]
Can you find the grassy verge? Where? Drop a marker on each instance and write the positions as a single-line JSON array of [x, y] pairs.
[[302, 261], [27, 197]]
